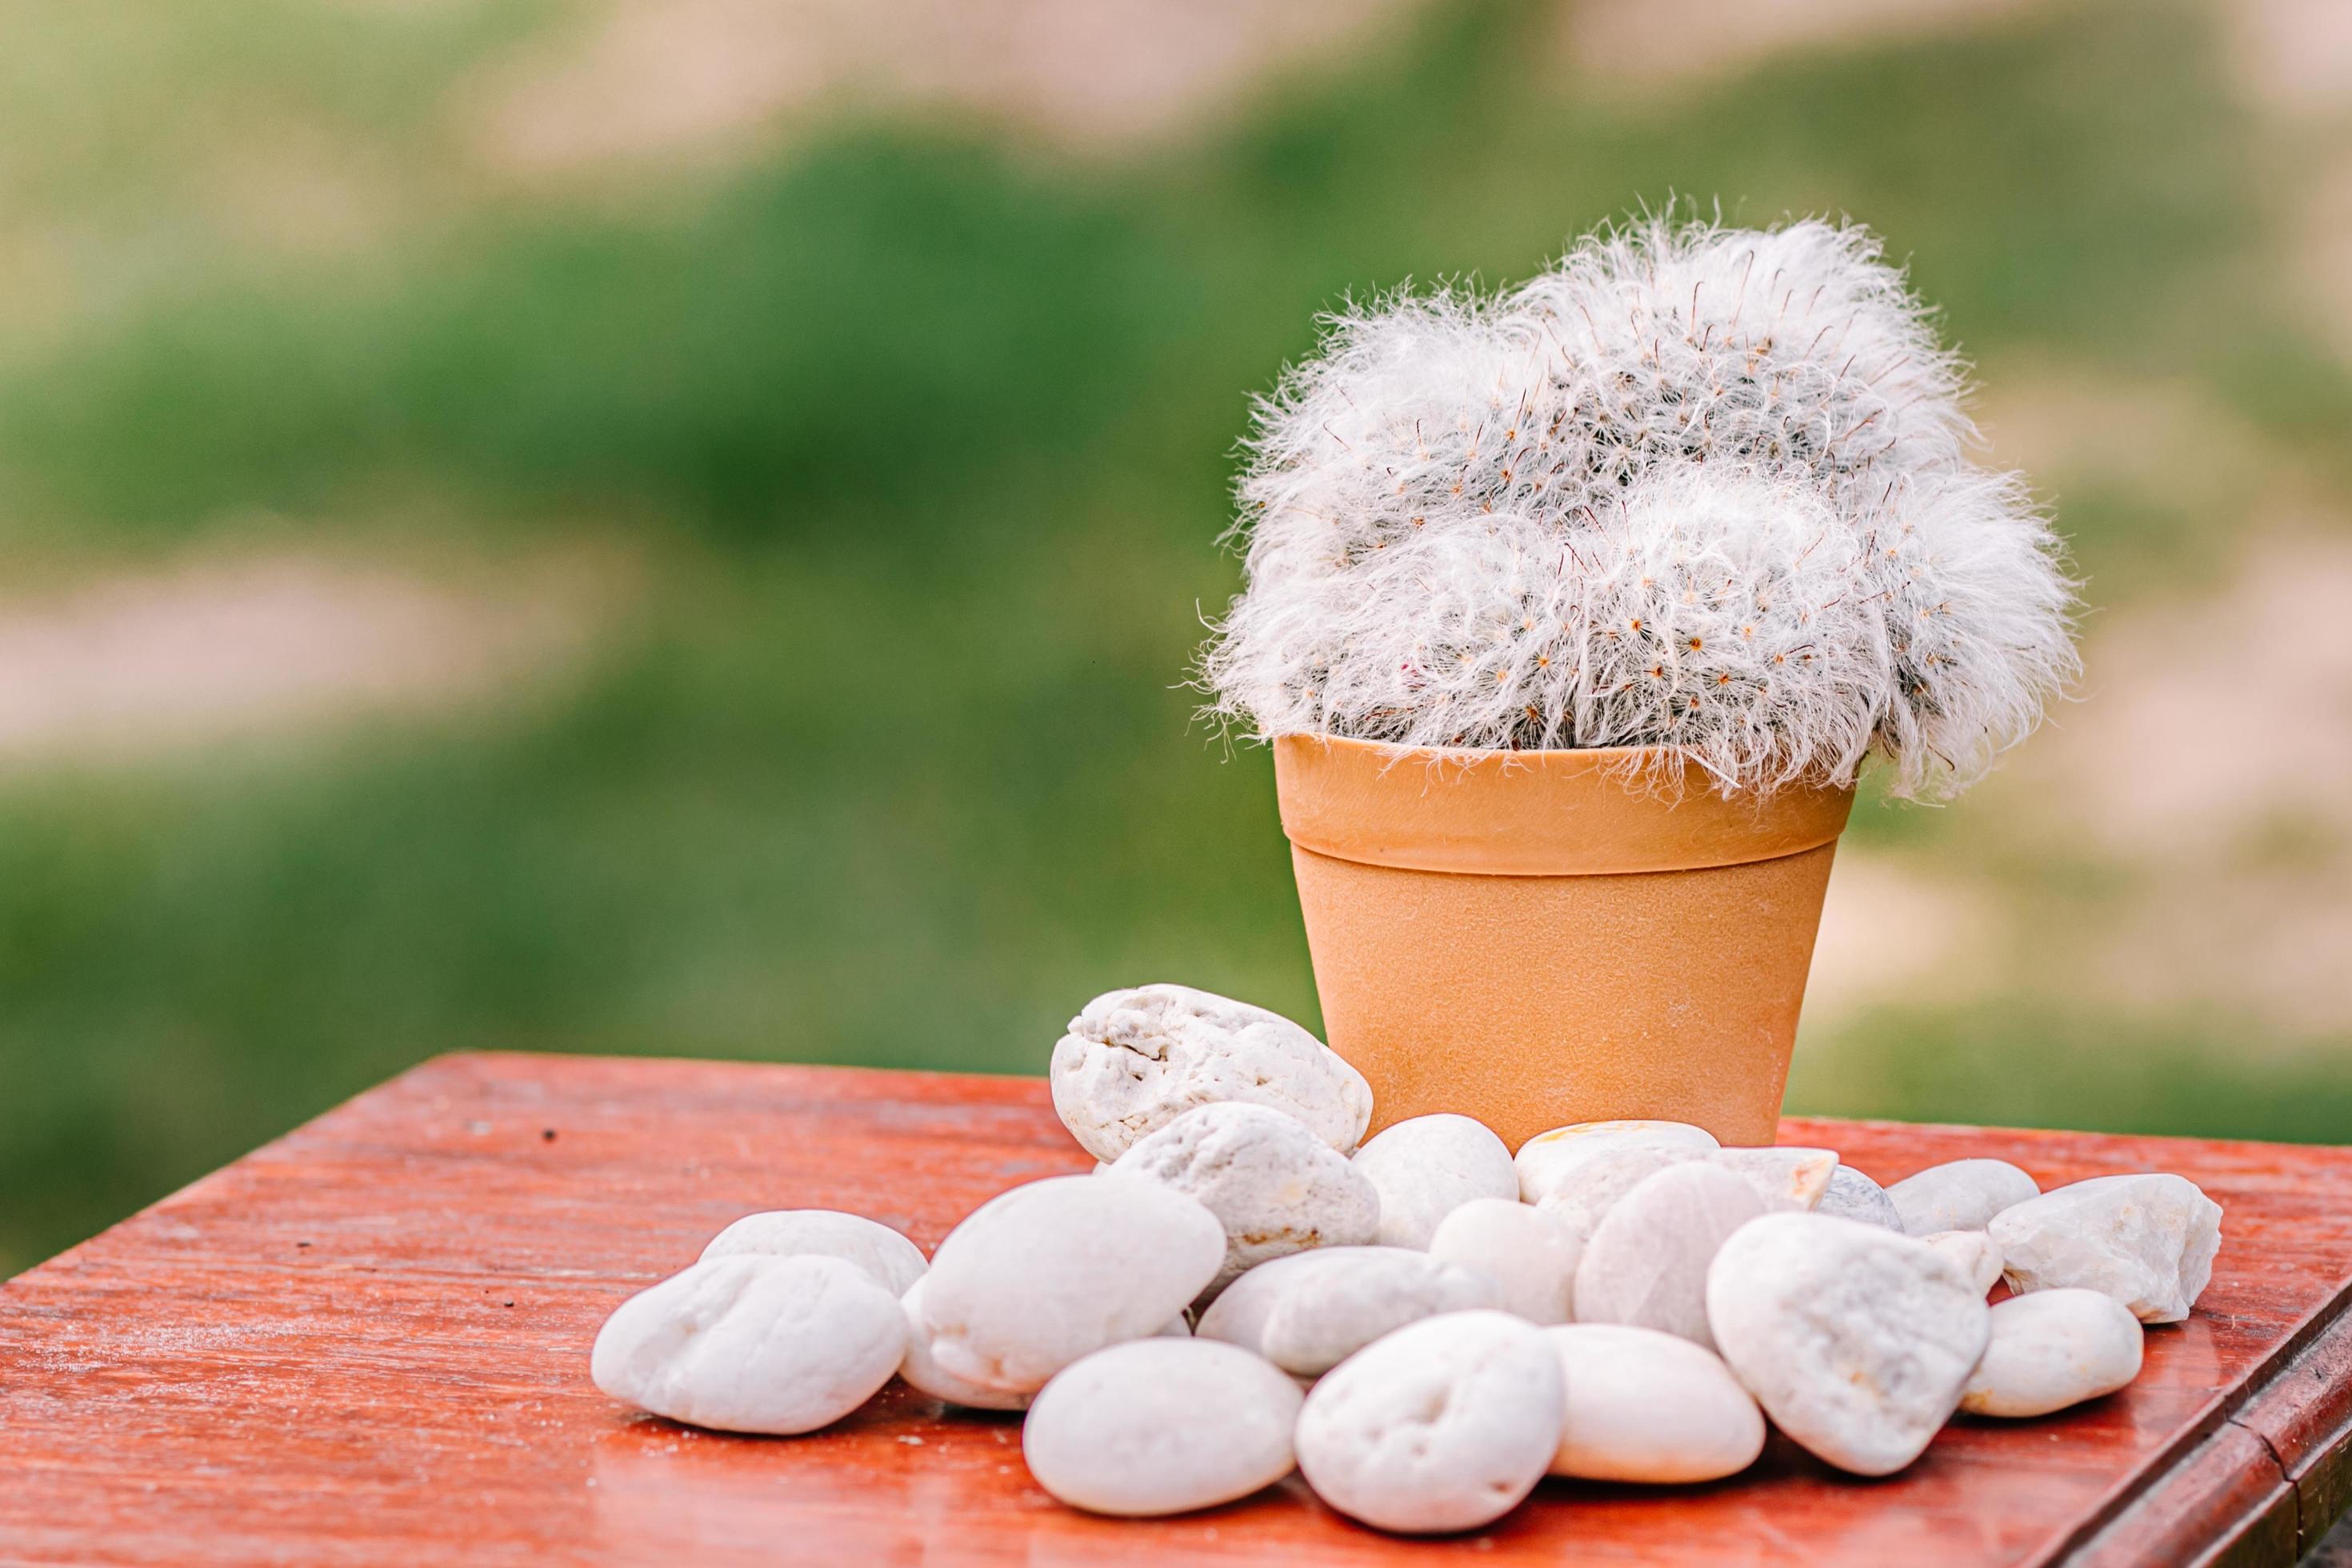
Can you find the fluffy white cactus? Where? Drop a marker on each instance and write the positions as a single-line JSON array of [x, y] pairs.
[[1699, 489]]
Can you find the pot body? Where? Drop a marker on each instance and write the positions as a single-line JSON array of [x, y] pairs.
[[1523, 937]]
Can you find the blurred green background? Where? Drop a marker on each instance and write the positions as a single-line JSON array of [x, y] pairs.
[[604, 526]]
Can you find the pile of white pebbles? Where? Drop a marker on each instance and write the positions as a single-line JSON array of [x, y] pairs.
[[1424, 1325]]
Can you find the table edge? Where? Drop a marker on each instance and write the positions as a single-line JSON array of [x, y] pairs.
[[2243, 1490]]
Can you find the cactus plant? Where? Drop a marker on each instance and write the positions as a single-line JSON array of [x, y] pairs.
[[1696, 489]]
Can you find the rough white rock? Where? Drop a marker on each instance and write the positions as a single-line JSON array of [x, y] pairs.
[[1158, 1426], [1529, 1255], [1787, 1179], [2146, 1240], [1649, 1406], [1133, 1061], [1583, 1197], [754, 1343], [2053, 1349], [1045, 1273], [1855, 1339], [1442, 1426], [1311, 1310], [1852, 1196], [923, 1371], [893, 1260], [1425, 1167], [1973, 1252], [1647, 1264], [1545, 1159], [1961, 1194], [1273, 1184]]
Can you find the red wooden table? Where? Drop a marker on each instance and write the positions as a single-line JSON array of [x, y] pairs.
[[367, 1342]]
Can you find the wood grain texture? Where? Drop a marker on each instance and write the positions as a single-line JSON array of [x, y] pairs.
[[367, 1343]]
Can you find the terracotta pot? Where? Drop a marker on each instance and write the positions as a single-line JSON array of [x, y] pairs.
[[1519, 936]]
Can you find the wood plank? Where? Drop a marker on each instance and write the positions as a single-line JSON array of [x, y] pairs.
[[367, 1343], [2224, 1502], [2304, 1416]]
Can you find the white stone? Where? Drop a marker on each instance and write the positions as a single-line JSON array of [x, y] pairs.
[[1852, 1196], [1649, 1406], [1135, 1060], [1529, 1255], [1973, 1252], [754, 1343], [893, 1260], [1442, 1426], [2146, 1240], [1787, 1179], [1159, 1427], [1311, 1310], [1425, 1167], [923, 1373], [1647, 1264], [1545, 1159], [1961, 1194], [1273, 1184], [2053, 1349], [1583, 1196], [1855, 1339], [1037, 1277]]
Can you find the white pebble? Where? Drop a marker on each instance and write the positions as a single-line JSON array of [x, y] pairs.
[[1311, 1310], [2146, 1240], [1647, 1264], [1649, 1406], [1856, 1340], [1443, 1425], [1273, 1184], [1852, 1196], [1159, 1427], [1973, 1252], [1583, 1197], [1787, 1179], [893, 1260], [2053, 1349], [1529, 1255], [1425, 1167], [1961, 1194], [1041, 1275], [751, 1343], [1545, 1159], [924, 1373], [1135, 1060]]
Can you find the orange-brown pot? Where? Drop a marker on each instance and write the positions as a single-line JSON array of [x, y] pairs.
[[1519, 937]]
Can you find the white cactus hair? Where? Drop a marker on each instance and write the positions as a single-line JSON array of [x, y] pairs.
[[1696, 489]]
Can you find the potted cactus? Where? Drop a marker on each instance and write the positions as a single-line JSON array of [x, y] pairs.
[[1572, 615]]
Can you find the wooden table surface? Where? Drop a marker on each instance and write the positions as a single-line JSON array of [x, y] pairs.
[[367, 1342]]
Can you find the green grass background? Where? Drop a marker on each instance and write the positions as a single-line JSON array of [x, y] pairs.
[[922, 435]]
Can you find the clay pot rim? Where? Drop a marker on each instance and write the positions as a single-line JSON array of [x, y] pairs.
[[1558, 812]]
